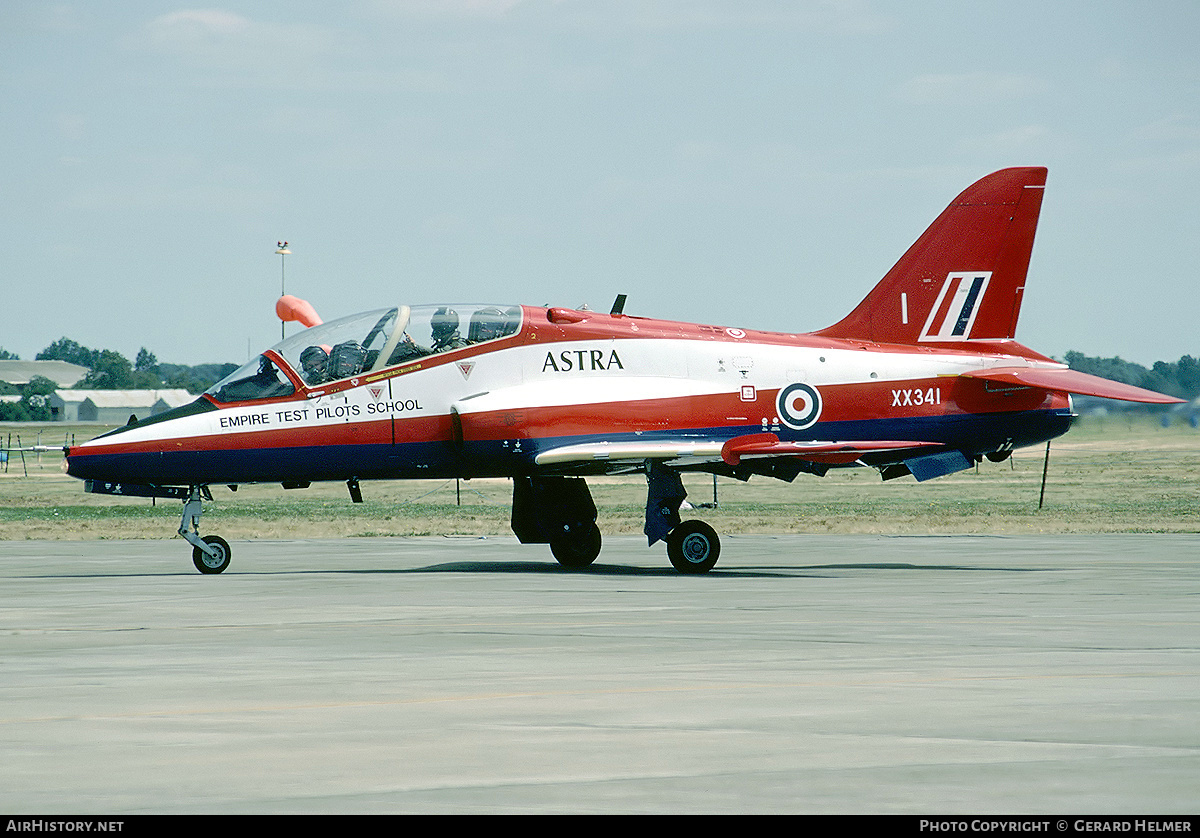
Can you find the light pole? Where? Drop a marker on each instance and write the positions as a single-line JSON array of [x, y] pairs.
[[282, 250]]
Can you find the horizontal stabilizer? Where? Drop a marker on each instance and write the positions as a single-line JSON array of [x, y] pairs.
[[1071, 381]]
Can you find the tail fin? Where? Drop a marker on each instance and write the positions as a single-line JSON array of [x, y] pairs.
[[964, 277]]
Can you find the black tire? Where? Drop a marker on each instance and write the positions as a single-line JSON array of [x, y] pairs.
[[210, 564], [579, 551], [693, 547]]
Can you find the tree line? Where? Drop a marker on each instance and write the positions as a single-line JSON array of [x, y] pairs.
[[107, 370], [110, 370], [1180, 378]]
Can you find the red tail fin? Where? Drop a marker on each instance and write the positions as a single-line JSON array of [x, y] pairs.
[[964, 278]]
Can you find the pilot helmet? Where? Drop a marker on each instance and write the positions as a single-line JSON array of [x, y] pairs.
[[444, 324], [487, 324], [314, 361]]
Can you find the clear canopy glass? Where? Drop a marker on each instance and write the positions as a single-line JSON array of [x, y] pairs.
[[367, 342]]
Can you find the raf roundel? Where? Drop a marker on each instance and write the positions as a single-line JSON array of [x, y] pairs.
[[799, 406]]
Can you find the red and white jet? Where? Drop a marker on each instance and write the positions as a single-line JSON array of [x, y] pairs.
[[922, 378]]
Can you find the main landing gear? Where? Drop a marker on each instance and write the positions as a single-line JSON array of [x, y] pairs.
[[559, 511], [578, 550], [211, 553], [693, 547]]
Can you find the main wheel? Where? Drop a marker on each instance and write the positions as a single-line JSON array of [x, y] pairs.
[[693, 547], [578, 551], [212, 564]]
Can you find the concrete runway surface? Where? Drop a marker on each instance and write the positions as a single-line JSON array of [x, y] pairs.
[[845, 674]]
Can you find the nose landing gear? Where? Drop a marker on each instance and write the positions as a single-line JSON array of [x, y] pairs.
[[211, 553]]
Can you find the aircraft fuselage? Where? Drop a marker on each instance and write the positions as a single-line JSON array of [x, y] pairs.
[[573, 377]]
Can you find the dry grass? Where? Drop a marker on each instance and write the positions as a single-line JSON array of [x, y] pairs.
[[1107, 475]]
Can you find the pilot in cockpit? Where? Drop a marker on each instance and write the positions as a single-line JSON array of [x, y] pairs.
[[444, 327], [486, 324], [314, 365], [346, 359]]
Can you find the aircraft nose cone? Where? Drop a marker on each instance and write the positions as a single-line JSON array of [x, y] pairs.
[[73, 462], [97, 463]]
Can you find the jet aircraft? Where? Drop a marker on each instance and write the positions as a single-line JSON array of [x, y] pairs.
[[922, 378]]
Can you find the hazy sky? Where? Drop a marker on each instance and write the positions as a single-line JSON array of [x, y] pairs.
[[757, 163]]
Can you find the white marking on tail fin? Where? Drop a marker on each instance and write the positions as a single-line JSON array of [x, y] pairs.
[[957, 304]]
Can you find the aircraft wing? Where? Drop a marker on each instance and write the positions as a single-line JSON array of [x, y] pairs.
[[1070, 381], [731, 451]]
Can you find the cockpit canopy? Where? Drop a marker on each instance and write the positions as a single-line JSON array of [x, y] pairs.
[[367, 342]]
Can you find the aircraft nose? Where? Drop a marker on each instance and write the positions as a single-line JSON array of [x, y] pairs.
[[94, 463], [72, 460]]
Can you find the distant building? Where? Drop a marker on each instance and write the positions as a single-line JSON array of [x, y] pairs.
[[114, 407], [19, 373]]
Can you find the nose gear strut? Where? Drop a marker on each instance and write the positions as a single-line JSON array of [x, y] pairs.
[[211, 553]]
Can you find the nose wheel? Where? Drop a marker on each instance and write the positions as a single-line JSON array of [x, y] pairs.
[[215, 561]]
